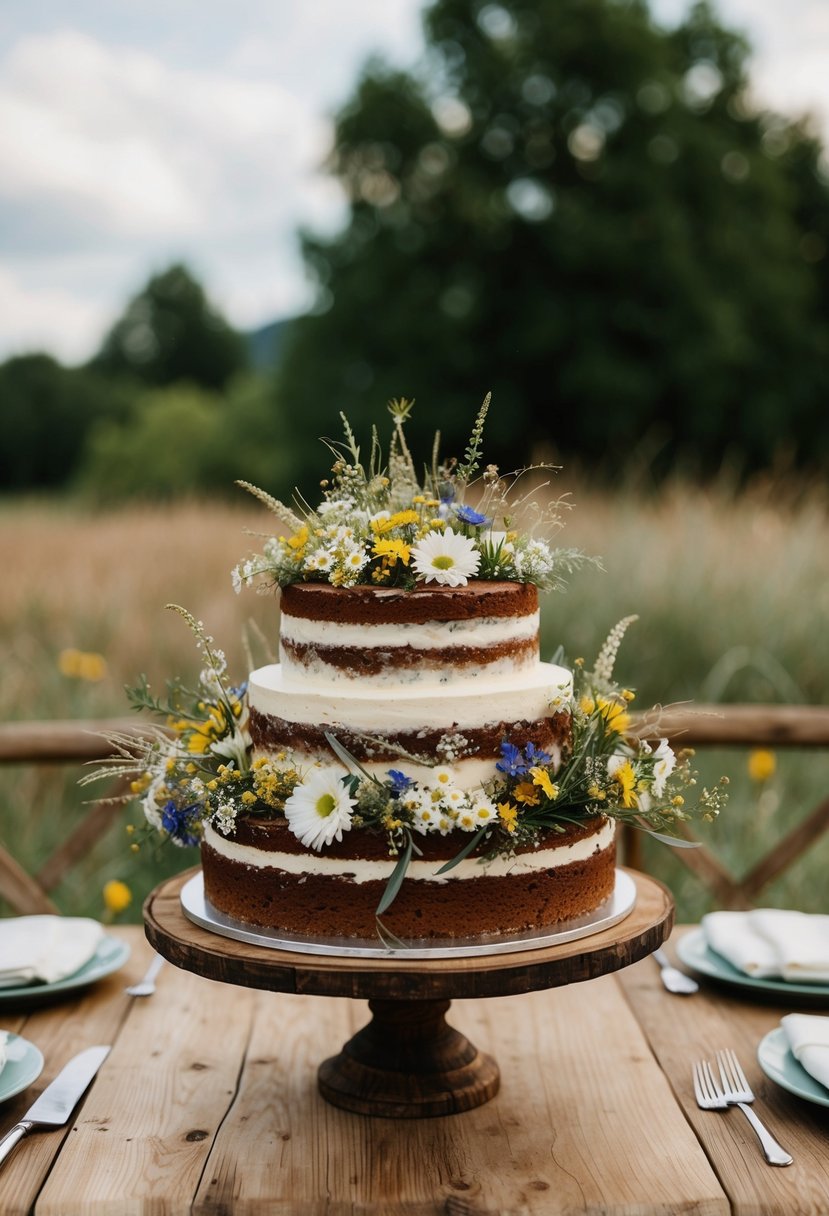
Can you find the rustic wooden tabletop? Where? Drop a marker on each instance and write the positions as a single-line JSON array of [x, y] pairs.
[[208, 1103]]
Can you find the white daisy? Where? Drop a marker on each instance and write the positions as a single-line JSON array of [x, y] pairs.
[[665, 762], [445, 557], [442, 777], [455, 799], [467, 821], [483, 809], [319, 810]]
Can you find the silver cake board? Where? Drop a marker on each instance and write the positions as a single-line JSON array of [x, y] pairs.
[[201, 912]]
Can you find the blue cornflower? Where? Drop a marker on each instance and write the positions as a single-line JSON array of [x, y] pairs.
[[535, 756], [469, 516], [399, 781], [511, 761], [181, 822]]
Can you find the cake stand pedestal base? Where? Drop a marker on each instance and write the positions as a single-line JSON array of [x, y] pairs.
[[408, 1063]]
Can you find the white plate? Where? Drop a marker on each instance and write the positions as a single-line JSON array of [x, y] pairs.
[[108, 957], [613, 910], [24, 1064], [694, 951], [776, 1060]]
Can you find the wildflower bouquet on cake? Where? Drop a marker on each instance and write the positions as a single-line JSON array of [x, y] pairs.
[[380, 524]]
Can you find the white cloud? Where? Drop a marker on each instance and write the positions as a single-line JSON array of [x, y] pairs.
[[65, 323]]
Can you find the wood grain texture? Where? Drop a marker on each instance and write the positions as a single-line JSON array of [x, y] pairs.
[[560, 1137], [696, 1027], [193, 948]]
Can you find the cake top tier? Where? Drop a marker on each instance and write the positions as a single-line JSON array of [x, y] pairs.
[[382, 524], [386, 606]]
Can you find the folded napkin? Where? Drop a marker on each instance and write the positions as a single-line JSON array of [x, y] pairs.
[[772, 942], [45, 949], [808, 1037]]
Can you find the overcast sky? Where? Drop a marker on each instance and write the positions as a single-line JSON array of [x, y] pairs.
[[135, 134]]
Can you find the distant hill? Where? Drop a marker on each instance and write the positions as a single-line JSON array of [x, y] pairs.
[[265, 343]]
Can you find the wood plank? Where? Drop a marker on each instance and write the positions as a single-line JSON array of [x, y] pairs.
[[560, 1137], [63, 741], [682, 1029], [94, 1016], [148, 1125], [20, 890], [787, 850], [736, 725]]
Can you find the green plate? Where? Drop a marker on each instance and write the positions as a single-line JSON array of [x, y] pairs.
[[695, 953], [24, 1064], [776, 1060], [108, 957]]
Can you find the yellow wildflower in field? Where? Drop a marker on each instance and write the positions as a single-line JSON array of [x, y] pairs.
[[82, 665], [117, 896], [762, 764]]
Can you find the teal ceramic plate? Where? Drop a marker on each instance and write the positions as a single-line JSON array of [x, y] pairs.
[[695, 953], [110, 955], [776, 1060], [24, 1064]]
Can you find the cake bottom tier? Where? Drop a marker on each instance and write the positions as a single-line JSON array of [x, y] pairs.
[[566, 877]]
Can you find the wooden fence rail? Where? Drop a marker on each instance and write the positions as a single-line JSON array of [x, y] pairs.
[[746, 726]]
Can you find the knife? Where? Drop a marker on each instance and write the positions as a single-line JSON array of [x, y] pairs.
[[59, 1099]]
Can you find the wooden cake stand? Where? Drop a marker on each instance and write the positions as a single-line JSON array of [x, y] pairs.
[[407, 1062]]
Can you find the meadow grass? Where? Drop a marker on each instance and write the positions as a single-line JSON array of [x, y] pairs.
[[731, 592]]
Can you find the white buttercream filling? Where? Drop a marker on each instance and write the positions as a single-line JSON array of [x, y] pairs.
[[428, 635], [391, 709], [360, 871]]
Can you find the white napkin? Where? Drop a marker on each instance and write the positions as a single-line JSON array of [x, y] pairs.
[[772, 942], [4, 1038], [808, 1037], [45, 948]]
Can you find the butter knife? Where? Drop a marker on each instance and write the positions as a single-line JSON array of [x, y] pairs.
[[59, 1099]]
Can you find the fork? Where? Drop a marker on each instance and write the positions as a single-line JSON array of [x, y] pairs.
[[710, 1095], [147, 986]]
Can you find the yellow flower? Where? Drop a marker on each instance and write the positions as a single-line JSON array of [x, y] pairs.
[[249, 798], [527, 793], [587, 705], [615, 715], [762, 764], [399, 520], [299, 540], [82, 665], [625, 777], [541, 777], [392, 551], [508, 814], [117, 896]]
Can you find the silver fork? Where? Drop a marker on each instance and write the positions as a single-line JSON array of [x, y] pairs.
[[711, 1096], [147, 986]]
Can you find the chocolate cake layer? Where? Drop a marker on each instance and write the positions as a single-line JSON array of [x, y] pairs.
[[374, 660], [271, 734], [378, 606], [325, 906]]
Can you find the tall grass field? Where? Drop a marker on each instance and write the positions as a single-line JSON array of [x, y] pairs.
[[732, 595]]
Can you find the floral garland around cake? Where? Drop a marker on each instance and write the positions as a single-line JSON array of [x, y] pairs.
[[196, 768], [380, 525]]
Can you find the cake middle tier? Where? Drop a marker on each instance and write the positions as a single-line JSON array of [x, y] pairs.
[[411, 728]]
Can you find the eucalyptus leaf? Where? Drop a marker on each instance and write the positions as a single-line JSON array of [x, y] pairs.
[[465, 851], [390, 940], [345, 755], [676, 842], [396, 878]]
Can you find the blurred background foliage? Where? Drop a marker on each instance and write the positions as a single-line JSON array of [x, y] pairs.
[[563, 203]]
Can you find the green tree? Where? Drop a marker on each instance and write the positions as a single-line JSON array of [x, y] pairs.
[[46, 413], [579, 211], [182, 440], [170, 332]]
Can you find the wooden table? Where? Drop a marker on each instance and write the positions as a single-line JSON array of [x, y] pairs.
[[208, 1103]]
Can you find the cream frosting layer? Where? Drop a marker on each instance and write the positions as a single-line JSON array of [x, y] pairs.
[[470, 773], [361, 870], [392, 709], [430, 635]]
